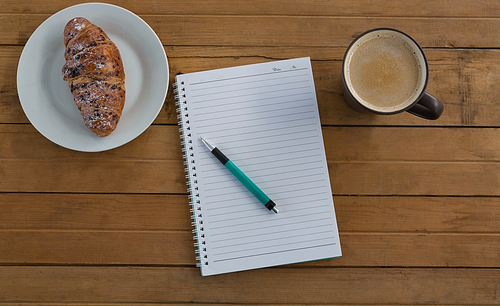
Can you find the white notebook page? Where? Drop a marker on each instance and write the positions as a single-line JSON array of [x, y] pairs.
[[265, 119]]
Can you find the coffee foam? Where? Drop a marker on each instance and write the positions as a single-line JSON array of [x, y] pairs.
[[384, 72]]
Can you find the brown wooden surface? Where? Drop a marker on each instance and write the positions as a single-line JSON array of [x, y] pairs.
[[417, 202]]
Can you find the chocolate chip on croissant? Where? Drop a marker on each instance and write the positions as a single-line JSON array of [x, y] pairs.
[[95, 75]]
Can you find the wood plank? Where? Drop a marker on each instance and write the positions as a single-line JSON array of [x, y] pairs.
[[468, 171], [380, 144], [417, 250], [415, 178], [152, 163], [144, 162], [176, 304], [465, 80], [293, 31], [169, 304], [92, 176], [169, 285], [411, 8], [418, 214], [24, 142], [97, 247], [175, 248], [9, 101], [328, 31], [207, 304], [342, 144], [91, 212]]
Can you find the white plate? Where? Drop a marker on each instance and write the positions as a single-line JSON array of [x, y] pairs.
[[47, 100]]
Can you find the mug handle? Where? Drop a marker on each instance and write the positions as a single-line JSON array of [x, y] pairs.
[[428, 107]]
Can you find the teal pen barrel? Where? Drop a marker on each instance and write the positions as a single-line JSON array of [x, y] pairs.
[[259, 194]]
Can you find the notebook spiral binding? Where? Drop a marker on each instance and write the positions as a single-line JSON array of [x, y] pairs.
[[190, 169]]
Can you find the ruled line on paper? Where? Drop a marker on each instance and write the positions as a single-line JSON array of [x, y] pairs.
[[284, 183], [247, 76], [241, 121], [202, 110], [259, 228], [274, 245], [223, 211], [249, 106], [237, 198], [290, 186], [252, 137], [196, 86], [276, 175], [256, 112], [277, 252], [278, 120], [248, 128], [283, 172], [248, 243], [251, 246], [309, 227], [247, 88], [311, 155], [283, 147], [287, 222], [278, 229], [267, 102], [283, 201], [247, 95], [244, 134]]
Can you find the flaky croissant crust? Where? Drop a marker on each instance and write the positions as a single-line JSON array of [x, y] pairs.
[[94, 72]]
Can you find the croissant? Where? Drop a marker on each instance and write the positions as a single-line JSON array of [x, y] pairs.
[[95, 75]]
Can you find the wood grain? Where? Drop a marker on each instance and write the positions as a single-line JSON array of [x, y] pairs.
[[94, 212], [284, 30], [371, 162], [411, 8], [417, 201], [175, 248], [137, 212], [465, 80], [415, 214], [155, 230], [93, 176], [168, 285]]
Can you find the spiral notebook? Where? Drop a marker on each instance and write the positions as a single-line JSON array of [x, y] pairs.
[[265, 118]]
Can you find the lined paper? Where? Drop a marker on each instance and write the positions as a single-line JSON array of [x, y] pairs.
[[265, 118]]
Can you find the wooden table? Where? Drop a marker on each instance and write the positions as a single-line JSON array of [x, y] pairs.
[[417, 201]]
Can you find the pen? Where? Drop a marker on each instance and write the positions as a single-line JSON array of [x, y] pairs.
[[259, 194]]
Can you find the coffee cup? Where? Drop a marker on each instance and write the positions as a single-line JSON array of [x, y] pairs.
[[385, 72]]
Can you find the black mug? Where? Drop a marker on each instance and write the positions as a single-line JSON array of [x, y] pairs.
[[385, 72]]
